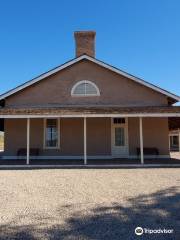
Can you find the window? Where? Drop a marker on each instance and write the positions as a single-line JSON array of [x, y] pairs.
[[51, 133], [174, 141], [118, 120], [85, 88]]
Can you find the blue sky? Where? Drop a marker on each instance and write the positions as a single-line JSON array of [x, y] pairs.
[[138, 36]]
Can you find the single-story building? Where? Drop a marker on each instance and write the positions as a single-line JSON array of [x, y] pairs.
[[87, 109]]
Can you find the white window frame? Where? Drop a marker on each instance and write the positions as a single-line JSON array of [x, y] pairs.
[[44, 135], [173, 135], [85, 95]]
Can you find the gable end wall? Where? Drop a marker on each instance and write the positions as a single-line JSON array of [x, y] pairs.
[[114, 89]]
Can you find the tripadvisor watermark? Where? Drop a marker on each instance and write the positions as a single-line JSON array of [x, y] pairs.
[[139, 231]]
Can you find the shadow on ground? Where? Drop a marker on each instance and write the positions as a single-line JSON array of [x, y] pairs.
[[115, 221]]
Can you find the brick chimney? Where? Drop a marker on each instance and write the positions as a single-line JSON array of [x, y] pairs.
[[85, 43]]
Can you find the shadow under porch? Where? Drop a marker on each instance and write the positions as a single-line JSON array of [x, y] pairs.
[[93, 162]]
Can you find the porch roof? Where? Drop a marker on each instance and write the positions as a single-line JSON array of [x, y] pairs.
[[90, 111]]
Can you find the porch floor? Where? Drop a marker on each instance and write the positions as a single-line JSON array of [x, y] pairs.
[[80, 162]]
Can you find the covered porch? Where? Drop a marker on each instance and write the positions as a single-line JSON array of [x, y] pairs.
[[120, 142]]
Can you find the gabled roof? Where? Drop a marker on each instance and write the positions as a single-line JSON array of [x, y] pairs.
[[98, 62]]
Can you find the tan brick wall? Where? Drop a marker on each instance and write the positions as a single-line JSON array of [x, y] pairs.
[[99, 136], [71, 136], [114, 89], [155, 134]]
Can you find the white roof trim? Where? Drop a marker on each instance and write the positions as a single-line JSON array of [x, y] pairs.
[[41, 77]]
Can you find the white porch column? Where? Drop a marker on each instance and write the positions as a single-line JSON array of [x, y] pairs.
[[141, 140], [28, 140], [179, 138], [85, 141]]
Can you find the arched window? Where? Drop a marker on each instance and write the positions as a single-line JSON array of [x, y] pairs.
[[85, 88]]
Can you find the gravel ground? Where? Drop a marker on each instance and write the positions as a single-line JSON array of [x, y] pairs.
[[89, 203]]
